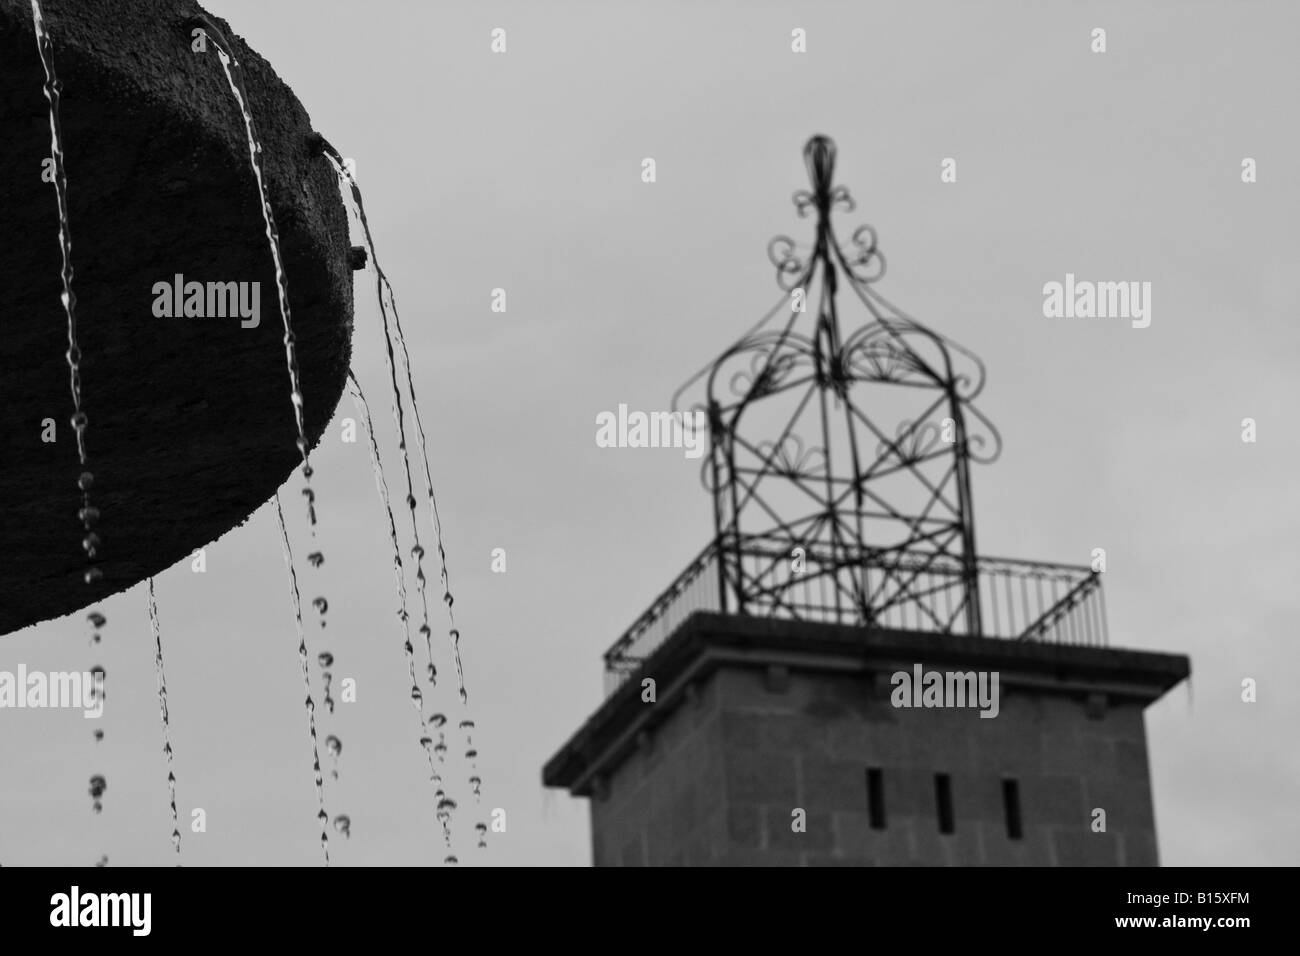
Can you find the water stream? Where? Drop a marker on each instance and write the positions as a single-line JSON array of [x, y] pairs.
[[310, 704], [164, 714]]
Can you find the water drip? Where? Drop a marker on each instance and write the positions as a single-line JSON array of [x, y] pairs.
[[310, 705]]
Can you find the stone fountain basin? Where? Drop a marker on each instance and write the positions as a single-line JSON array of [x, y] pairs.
[[190, 424]]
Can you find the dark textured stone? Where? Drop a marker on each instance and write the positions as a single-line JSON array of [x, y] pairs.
[[190, 424], [745, 825]]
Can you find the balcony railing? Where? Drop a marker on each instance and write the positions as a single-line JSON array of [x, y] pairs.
[[1019, 600]]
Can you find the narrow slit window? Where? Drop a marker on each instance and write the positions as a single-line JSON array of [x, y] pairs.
[[876, 798], [943, 801], [1011, 802]]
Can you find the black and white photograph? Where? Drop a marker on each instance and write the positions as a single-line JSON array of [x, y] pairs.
[[649, 433]]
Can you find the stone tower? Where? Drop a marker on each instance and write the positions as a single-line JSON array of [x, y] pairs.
[[840, 678]]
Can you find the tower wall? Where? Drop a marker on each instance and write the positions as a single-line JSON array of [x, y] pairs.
[[666, 804], [743, 735], [723, 775]]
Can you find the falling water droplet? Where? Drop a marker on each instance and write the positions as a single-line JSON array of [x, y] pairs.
[[451, 861], [103, 861], [88, 516], [86, 481], [417, 698], [325, 659], [97, 787], [91, 544], [321, 605], [471, 754], [476, 783], [92, 575], [316, 559], [444, 817], [467, 725], [446, 803], [440, 749], [99, 735], [79, 420], [481, 830], [438, 720], [96, 619], [343, 824], [430, 669], [333, 745]]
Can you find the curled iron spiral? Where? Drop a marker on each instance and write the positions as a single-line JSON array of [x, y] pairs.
[[792, 269], [790, 457]]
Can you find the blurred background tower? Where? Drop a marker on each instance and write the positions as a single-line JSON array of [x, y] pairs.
[[751, 711]]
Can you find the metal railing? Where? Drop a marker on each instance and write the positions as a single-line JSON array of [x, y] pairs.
[[1019, 600]]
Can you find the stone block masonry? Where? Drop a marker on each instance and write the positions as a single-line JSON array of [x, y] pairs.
[[744, 770]]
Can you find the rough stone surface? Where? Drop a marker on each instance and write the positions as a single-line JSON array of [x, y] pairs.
[[190, 424]]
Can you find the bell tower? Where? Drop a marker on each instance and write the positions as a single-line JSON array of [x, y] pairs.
[[878, 501], [839, 677]]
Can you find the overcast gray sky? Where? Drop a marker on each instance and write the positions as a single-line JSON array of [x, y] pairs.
[[522, 171]]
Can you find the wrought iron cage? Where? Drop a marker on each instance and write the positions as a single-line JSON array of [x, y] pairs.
[[839, 467]]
